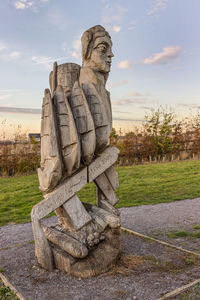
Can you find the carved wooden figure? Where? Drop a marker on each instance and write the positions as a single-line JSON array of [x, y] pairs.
[[75, 129]]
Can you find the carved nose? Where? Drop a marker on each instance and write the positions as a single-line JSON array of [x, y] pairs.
[[111, 54]]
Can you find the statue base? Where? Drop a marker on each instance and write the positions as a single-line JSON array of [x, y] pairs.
[[99, 260]]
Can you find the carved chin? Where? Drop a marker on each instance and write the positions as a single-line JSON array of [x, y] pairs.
[[103, 68]]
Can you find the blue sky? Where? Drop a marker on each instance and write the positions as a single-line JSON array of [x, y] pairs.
[[155, 42]]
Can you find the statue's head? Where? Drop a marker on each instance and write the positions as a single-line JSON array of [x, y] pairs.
[[97, 49]]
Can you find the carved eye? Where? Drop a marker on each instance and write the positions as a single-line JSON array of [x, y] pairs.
[[102, 48]]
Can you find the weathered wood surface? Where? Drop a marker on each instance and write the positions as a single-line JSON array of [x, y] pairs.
[[102, 163], [107, 206], [65, 75], [69, 142], [99, 221], [66, 242], [112, 220], [100, 196], [99, 107], [106, 188], [84, 123], [42, 247], [76, 213], [112, 176], [60, 195], [50, 172], [98, 260]]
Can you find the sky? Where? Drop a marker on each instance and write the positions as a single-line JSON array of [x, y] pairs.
[[156, 61]]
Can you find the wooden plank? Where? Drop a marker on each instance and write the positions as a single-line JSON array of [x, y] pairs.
[[112, 177], [180, 290], [42, 247], [76, 212], [66, 242], [102, 163], [107, 206], [100, 196], [104, 185], [60, 195]]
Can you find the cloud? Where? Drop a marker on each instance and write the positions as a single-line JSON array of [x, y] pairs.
[[57, 18], [114, 85], [134, 98], [124, 64], [20, 110], [46, 61], [19, 5], [146, 107], [130, 120], [168, 53], [2, 46], [158, 5], [115, 29], [2, 97], [27, 4], [8, 93], [7, 55], [24, 4], [176, 68], [122, 112], [189, 105], [64, 46], [15, 55], [132, 25], [136, 94], [43, 60], [76, 52], [129, 101], [112, 14]]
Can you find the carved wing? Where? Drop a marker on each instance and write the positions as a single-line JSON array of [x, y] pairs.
[[84, 123], [51, 164], [70, 146], [101, 113]]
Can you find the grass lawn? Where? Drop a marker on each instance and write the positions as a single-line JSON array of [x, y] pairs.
[[6, 293], [141, 184]]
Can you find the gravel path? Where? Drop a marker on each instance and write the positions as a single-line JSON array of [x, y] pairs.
[[162, 217], [146, 219], [145, 281]]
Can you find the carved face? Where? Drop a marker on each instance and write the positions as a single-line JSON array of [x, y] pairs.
[[101, 55]]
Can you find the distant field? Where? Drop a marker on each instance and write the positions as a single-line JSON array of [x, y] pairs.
[[141, 184]]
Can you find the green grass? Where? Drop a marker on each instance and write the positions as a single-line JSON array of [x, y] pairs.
[[177, 234], [6, 293], [196, 226], [139, 184], [183, 233]]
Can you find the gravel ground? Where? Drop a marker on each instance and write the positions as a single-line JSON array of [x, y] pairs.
[[160, 219], [150, 270]]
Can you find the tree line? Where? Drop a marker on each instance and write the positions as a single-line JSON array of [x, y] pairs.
[[161, 137]]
